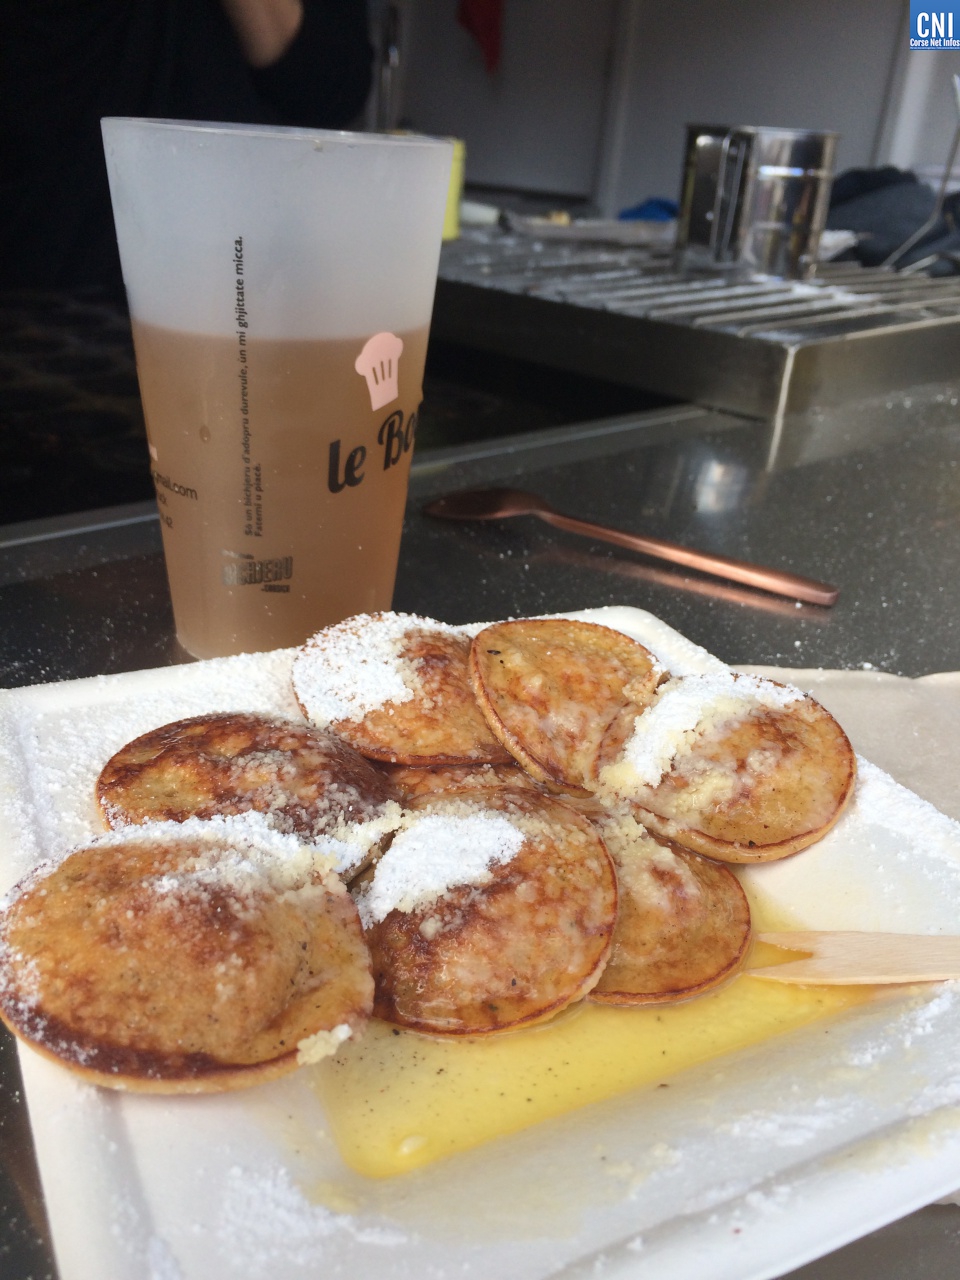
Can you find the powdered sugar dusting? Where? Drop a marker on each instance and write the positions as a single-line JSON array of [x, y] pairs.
[[89, 720], [881, 801], [434, 853], [351, 842], [924, 1020], [26, 988], [161, 1263], [685, 707], [242, 853], [356, 666], [266, 1224], [794, 1129]]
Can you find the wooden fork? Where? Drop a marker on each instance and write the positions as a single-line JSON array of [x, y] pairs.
[[847, 958]]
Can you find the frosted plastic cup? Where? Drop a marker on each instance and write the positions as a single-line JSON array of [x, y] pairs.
[[280, 284]]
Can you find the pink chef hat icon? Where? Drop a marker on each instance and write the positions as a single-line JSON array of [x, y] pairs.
[[379, 363]]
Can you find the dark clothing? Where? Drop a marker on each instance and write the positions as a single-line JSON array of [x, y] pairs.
[[66, 63], [885, 207]]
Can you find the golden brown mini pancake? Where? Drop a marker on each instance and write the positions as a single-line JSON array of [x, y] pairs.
[[482, 958], [683, 923], [396, 687], [754, 789], [412, 783], [549, 688], [182, 960], [302, 779]]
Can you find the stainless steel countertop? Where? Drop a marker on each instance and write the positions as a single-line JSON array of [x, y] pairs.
[[869, 501]]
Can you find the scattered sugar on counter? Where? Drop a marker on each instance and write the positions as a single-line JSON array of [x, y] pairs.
[[357, 666], [685, 707], [434, 853]]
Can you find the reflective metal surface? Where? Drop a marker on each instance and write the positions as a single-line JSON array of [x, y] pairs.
[[754, 199], [870, 501], [753, 345]]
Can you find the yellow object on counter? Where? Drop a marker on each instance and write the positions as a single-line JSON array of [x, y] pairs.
[[451, 214], [451, 217]]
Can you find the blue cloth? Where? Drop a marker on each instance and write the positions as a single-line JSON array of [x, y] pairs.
[[655, 209]]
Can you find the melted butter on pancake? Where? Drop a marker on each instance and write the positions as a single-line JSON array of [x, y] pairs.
[[549, 688], [398, 1102], [683, 922], [322, 1044]]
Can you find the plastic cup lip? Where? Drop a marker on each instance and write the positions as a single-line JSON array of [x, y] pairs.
[[341, 137]]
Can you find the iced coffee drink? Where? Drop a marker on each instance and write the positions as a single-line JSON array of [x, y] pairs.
[[280, 346]]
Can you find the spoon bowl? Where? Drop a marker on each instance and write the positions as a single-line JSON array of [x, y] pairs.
[[486, 504]]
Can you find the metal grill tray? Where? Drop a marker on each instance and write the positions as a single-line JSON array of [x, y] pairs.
[[746, 344]]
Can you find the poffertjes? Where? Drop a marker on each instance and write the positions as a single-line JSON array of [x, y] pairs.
[[732, 767], [303, 780], [412, 783], [549, 687], [683, 923], [506, 783], [184, 959], [396, 687], [504, 945]]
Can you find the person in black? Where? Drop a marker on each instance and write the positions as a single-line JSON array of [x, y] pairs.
[[66, 63]]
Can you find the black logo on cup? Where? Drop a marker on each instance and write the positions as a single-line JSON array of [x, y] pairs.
[[395, 437]]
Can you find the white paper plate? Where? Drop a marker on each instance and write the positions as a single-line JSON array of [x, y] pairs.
[[746, 1167]]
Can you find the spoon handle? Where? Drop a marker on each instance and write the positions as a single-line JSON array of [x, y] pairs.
[[754, 575]]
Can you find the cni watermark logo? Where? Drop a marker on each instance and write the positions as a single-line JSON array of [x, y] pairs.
[[934, 28]]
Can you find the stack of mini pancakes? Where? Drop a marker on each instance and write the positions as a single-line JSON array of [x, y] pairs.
[[471, 829]]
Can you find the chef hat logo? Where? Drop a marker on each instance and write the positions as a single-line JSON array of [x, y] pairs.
[[379, 363]]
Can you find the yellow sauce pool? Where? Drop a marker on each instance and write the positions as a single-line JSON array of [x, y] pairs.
[[396, 1101]]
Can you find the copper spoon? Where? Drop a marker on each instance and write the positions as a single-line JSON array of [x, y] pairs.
[[498, 504]]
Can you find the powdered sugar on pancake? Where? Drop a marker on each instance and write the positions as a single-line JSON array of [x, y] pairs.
[[684, 709], [242, 852], [357, 666], [433, 853], [242, 855]]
